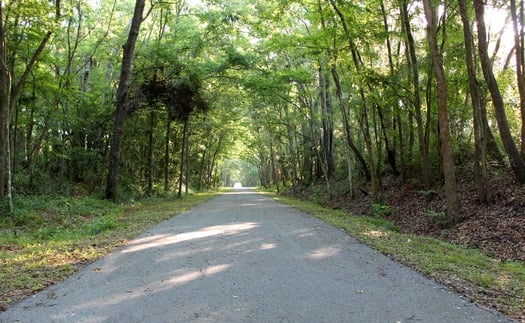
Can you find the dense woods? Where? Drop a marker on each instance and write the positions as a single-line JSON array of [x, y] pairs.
[[118, 98]]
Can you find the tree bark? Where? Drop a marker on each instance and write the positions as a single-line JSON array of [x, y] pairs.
[[4, 101], [516, 162], [122, 102], [167, 157], [453, 210], [9, 96], [346, 124], [520, 67], [150, 166], [327, 122], [413, 62], [480, 131], [356, 58], [183, 156]]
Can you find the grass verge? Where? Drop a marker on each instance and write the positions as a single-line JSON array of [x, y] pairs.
[[484, 280], [47, 239]]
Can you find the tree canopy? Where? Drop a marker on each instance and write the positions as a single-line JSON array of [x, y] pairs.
[[274, 93]]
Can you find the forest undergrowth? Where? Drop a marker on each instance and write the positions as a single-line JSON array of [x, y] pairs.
[[498, 228]]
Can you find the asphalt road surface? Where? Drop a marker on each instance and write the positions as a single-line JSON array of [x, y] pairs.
[[243, 257]]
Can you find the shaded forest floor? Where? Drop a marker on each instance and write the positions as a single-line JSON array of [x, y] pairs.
[[498, 229]]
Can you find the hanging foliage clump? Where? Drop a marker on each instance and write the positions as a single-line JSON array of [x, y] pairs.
[[181, 95]]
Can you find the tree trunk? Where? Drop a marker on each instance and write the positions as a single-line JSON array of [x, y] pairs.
[[390, 152], [452, 201], [201, 168], [375, 181], [4, 102], [213, 164], [275, 179], [122, 102], [423, 148], [9, 95], [480, 131], [182, 155], [364, 114], [327, 139], [167, 157], [150, 167], [520, 67], [348, 131], [516, 162]]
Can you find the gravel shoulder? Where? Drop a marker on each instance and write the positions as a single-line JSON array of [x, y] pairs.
[[243, 257]]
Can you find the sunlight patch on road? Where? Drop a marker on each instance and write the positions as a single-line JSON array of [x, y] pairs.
[[267, 246], [192, 276], [323, 253], [250, 204], [116, 297], [164, 239], [304, 233]]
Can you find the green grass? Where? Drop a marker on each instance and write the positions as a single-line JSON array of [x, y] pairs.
[[48, 238], [468, 271]]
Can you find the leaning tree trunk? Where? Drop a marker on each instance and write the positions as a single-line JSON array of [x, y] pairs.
[[346, 124], [356, 58], [122, 102], [10, 93], [452, 201], [516, 162]]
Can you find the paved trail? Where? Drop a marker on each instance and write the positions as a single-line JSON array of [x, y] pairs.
[[243, 257]]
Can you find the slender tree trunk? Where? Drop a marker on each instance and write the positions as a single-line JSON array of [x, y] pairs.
[[291, 148], [413, 62], [9, 96], [365, 126], [213, 164], [327, 122], [516, 162], [187, 162], [452, 200], [122, 102], [346, 125], [520, 67], [275, 179], [182, 155], [306, 173], [390, 152], [167, 157], [201, 168], [480, 131], [400, 134], [4, 102], [375, 182], [150, 167]]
